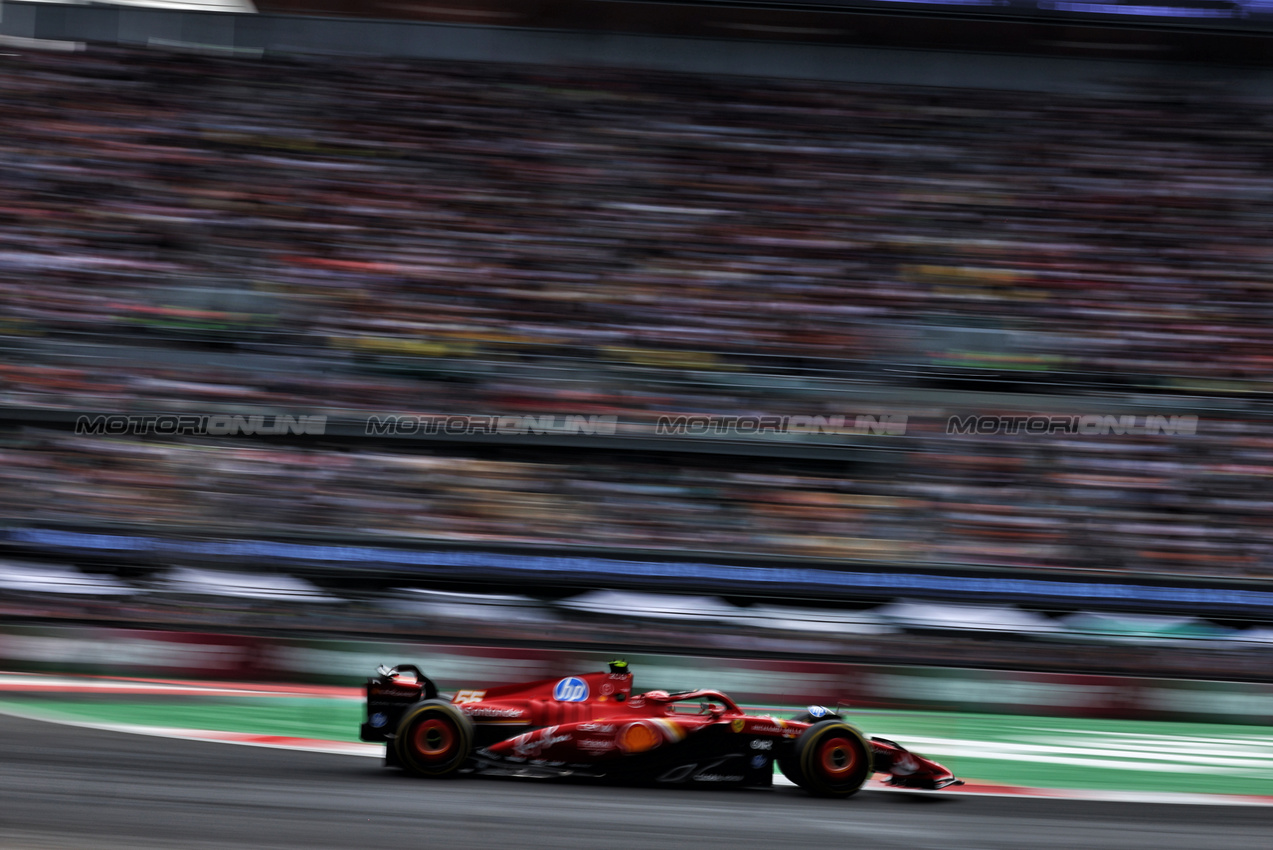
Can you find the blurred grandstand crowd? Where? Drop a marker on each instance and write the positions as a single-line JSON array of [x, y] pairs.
[[514, 214], [1142, 505], [189, 234]]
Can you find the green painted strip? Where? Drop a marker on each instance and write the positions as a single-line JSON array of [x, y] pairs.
[[302, 717]]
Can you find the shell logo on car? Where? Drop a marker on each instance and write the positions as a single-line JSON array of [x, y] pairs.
[[647, 734], [639, 737]]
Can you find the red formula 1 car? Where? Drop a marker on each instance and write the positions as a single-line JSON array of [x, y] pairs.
[[592, 725]]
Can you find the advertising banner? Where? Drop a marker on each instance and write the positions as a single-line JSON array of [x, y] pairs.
[[769, 682]]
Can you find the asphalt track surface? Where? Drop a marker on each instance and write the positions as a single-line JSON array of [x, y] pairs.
[[65, 787]]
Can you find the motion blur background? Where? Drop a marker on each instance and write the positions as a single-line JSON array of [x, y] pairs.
[[884, 212]]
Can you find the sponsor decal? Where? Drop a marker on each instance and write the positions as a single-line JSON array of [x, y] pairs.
[[717, 777], [762, 744], [639, 737], [378, 719], [818, 711], [607, 689], [737, 725], [394, 691], [533, 743], [492, 712], [759, 761], [679, 774], [694, 773], [571, 689], [779, 728], [596, 727], [462, 697], [595, 744]]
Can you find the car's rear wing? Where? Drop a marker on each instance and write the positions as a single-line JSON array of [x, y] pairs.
[[389, 693]]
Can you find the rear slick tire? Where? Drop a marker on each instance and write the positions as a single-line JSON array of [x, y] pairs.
[[434, 739], [831, 759]]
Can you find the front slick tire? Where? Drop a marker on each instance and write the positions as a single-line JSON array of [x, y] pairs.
[[434, 739], [831, 759]]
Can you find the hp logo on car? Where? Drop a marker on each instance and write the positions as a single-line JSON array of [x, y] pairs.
[[571, 689]]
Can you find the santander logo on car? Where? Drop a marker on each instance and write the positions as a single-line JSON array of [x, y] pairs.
[[571, 689]]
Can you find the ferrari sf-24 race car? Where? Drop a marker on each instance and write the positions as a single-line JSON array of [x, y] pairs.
[[592, 725]]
